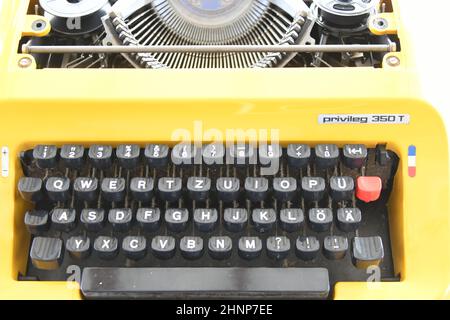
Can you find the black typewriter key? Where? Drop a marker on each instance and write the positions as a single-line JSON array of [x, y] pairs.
[[367, 251], [120, 219], [170, 189], [205, 220], [157, 155], [72, 156], [306, 248], [128, 155], [235, 219], [291, 219], [106, 247], [86, 189], [355, 155], [46, 253], [163, 247], [213, 154], [149, 219], [269, 155], [30, 189], [113, 189], [335, 247], [348, 219], [36, 221], [58, 189], [382, 155], [284, 189], [313, 188], [320, 219], [92, 219], [241, 154], [256, 188], [326, 155], [198, 188], [46, 156], [228, 189], [264, 219], [249, 247], [341, 188], [141, 189], [100, 156], [176, 219], [63, 219], [298, 155], [184, 154], [191, 247], [134, 247], [79, 247], [220, 247], [278, 247]]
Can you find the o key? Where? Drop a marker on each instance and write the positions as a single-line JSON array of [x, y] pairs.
[[368, 189]]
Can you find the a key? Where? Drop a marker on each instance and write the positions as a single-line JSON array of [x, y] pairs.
[[298, 155], [120, 219], [157, 155], [355, 155], [228, 189], [106, 247], [63, 220], [291, 219], [46, 253], [149, 219], [269, 153], [335, 247], [320, 219], [36, 221], [235, 219], [368, 189], [278, 247], [141, 189], [184, 154], [313, 188], [249, 247], [341, 188], [367, 251], [213, 154], [176, 219], [198, 188], [264, 219], [326, 155], [92, 219], [134, 247], [256, 188], [30, 189], [79, 247], [100, 156], [170, 189], [241, 154], [220, 247], [128, 155], [72, 156], [86, 189], [205, 220], [348, 219], [58, 189], [284, 189], [307, 248], [163, 247], [113, 189], [191, 247], [46, 156]]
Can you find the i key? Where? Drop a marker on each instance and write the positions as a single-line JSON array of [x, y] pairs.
[[128, 155], [256, 188], [45, 156], [72, 156]]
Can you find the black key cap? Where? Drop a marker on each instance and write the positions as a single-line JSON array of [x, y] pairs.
[[86, 189], [228, 189], [176, 219], [205, 219], [46, 253], [320, 219], [120, 219], [382, 155], [220, 248], [170, 188], [335, 247], [278, 247], [264, 219], [30, 189], [149, 219], [163, 247], [106, 247], [128, 155], [134, 247], [235, 219], [79, 247], [285, 189], [355, 155], [250, 247], [367, 251], [46, 156], [256, 188], [72, 156], [157, 155], [63, 219], [190, 282], [183, 154], [58, 189], [313, 188], [327, 155], [341, 188], [191, 247], [298, 155], [100, 156], [307, 248], [141, 189], [291, 219], [241, 154], [36, 221], [113, 189], [92, 219], [198, 188], [213, 154], [270, 154], [348, 219]]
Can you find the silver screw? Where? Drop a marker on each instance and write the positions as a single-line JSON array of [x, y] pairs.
[[25, 62], [393, 61]]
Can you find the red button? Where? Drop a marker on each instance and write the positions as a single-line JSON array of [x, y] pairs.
[[368, 189]]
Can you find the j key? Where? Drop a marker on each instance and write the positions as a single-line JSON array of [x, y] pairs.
[[113, 189], [184, 154], [163, 247], [58, 189], [313, 188], [176, 219], [367, 251], [86, 189], [191, 247], [120, 219], [298, 155], [284, 189], [235, 219], [355, 155], [141, 189], [307, 248], [256, 188], [30, 189], [157, 155], [169, 189], [228, 189], [63, 219], [72, 156], [79, 247], [278, 247], [92, 219], [220, 247], [46, 156], [241, 154], [335, 247], [46, 253], [341, 188], [128, 155], [269, 153], [348, 219], [213, 154], [134, 247], [100, 156], [106, 247], [36, 221], [249, 247], [199, 188], [327, 155], [320, 219], [205, 219], [291, 219], [264, 219], [148, 219]]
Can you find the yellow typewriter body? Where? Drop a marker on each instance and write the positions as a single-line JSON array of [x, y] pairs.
[[57, 106]]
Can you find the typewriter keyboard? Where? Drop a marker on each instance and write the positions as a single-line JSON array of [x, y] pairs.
[[212, 220]]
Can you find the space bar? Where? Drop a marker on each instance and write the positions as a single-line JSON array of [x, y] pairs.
[[205, 282]]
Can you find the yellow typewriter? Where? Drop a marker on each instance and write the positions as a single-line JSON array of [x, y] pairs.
[[218, 149]]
